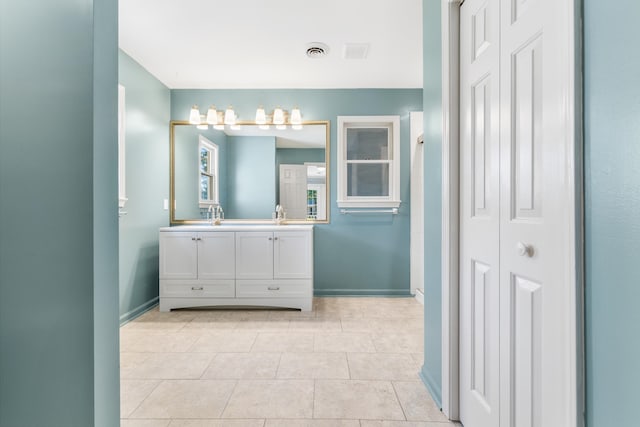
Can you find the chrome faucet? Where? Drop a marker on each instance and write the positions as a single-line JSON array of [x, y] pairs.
[[216, 214], [280, 216]]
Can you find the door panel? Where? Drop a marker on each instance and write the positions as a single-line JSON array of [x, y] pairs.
[[479, 214]]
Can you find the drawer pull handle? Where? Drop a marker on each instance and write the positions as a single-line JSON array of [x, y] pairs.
[[274, 288], [193, 238], [194, 288]]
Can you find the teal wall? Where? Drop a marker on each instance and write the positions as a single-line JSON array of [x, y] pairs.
[[250, 177], [58, 215], [147, 185], [354, 255], [432, 56], [612, 211]]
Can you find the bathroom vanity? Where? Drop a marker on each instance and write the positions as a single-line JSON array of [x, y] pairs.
[[236, 265]]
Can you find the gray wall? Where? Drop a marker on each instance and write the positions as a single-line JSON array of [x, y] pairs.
[[58, 214], [147, 185]]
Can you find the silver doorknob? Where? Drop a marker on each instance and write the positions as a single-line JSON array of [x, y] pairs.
[[524, 250]]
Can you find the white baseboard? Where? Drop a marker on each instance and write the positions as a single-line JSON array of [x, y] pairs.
[[420, 296]]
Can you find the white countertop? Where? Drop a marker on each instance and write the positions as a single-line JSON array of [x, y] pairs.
[[238, 227]]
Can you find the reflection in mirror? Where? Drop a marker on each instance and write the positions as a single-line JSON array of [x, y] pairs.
[[247, 171]]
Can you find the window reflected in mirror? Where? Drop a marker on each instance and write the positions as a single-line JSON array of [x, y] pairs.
[[248, 171]]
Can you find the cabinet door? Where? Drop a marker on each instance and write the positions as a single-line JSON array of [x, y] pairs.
[[178, 255], [293, 255], [254, 255], [216, 255]]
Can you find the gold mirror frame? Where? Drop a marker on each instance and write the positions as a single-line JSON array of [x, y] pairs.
[[172, 195]]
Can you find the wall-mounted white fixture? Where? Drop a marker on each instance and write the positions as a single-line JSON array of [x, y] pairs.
[[218, 119]]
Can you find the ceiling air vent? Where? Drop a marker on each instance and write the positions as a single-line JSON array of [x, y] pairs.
[[317, 50], [355, 50]]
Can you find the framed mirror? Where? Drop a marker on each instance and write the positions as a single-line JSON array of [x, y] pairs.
[[247, 171]]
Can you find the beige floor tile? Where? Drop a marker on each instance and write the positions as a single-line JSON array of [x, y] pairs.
[[169, 366], [312, 423], [243, 366], [186, 399], [283, 341], [144, 423], [142, 341], [133, 392], [203, 322], [264, 325], [376, 325], [131, 360], [320, 324], [416, 402], [271, 399], [313, 366], [418, 357], [217, 423], [398, 342], [344, 342], [382, 366], [224, 342], [349, 399], [291, 314], [367, 423]]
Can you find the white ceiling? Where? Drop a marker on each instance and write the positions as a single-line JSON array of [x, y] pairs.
[[216, 44]]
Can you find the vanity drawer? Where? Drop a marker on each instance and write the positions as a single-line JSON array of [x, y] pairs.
[[272, 288], [209, 288]]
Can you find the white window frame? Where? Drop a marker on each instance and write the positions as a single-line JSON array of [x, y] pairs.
[[213, 148], [393, 199]]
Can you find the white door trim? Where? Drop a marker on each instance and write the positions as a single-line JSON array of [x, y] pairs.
[[450, 208]]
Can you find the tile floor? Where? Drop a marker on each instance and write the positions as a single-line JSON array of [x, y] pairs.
[[349, 362]]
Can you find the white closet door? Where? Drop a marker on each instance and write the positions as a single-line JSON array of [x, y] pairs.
[[517, 275], [536, 206], [479, 214]]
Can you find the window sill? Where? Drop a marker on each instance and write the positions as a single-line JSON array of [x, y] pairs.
[[368, 203]]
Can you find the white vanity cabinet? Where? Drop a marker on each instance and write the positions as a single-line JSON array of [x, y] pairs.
[[196, 264], [236, 265]]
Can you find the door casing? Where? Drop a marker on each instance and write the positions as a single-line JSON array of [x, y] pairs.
[[450, 10]]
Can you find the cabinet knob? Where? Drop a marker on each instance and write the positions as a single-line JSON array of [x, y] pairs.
[[270, 238], [275, 238]]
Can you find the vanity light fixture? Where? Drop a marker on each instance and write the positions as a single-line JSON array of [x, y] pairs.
[[212, 115], [229, 116], [261, 116], [278, 116], [219, 119], [194, 115], [296, 119]]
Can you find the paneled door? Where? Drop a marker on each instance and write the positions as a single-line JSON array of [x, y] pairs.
[[516, 287], [480, 213]]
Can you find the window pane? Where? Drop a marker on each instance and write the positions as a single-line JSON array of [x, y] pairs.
[[204, 187], [204, 159], [367, 144], [368, 180]]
